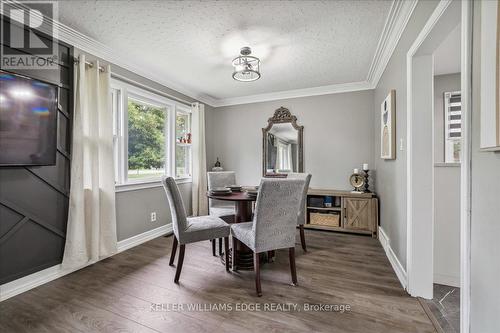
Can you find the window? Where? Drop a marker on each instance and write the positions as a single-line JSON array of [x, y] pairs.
[[453, 126], [284, 156], [146, 133], [115, 105], [183, 143], [146, 140]]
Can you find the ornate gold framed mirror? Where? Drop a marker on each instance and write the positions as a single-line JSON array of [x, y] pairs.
[[282, 145]]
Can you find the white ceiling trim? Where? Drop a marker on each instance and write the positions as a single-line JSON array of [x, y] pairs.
[[396, 22], [95, 48], [87, 44], [315, 91], [394, 26]]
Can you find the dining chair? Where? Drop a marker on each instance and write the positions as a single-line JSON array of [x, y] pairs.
[[301, 219], [191, 229], [274, 223], [219, 208]]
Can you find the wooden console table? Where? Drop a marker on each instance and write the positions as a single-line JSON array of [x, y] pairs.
[[350, 212]]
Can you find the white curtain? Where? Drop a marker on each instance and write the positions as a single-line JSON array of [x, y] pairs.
[[199, 199], [91, 231]]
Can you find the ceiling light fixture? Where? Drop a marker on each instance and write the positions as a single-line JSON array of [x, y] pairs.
[[246, 67]]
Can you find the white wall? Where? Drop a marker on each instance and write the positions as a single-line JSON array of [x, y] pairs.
[[337, 136], [447, 225], [485, 220], [446, 194]]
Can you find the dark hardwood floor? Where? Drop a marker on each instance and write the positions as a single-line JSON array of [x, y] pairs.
[[117, 294]]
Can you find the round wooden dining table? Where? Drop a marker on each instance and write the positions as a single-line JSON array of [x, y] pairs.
[[243, 205]]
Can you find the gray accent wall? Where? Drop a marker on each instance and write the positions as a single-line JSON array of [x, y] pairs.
[[390, 181], [133, 209], [485, 220], [34, 200], [337, 136]]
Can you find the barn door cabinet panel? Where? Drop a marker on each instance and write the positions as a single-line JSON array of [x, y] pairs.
[[342, 211]]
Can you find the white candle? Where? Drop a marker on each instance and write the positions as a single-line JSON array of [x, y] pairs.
[[356, 171], [365, 166]]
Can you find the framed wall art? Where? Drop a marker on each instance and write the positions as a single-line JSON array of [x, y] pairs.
[[388, 127]]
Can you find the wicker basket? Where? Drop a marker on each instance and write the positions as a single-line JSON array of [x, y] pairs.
[[331, 220]]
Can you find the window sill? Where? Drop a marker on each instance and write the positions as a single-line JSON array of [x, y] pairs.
[[183, 180], [447, 165], [146, 185]]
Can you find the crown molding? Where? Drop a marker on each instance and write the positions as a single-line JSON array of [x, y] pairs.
[[286, 94], [399, 15], [395, 24], [95, 48]]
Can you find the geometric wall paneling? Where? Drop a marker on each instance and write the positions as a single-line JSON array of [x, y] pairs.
[[41, 199], [34, 200], [64, 139], [9, 219], [55, 176], [42, 241]]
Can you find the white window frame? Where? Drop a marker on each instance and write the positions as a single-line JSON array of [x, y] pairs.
[[124, 91], [183, 109], [449, 141]]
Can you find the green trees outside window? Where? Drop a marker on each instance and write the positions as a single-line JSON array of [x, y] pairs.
[[146, 140]]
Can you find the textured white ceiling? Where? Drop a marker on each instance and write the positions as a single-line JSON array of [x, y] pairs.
[[302, 44]]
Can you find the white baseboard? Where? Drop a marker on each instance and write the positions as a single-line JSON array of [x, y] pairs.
[[447, 280], [144, 237], [36, 279], [28, 282], [396, 264]]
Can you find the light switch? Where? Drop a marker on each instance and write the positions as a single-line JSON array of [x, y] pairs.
[[401, 144]]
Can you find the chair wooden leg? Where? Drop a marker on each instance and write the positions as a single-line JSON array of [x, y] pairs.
[[220, 246], [172, 253], [302, 237], [179, 263], [234, 254], [226, 252], [213, 247], [291, 255], [256, 264]]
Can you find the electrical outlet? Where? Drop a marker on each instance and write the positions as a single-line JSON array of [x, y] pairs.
[[153, 217]]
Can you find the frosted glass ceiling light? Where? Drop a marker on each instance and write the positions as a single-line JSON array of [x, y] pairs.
[[246, 67]]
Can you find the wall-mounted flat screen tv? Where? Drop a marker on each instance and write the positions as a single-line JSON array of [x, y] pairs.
[[28, 121]]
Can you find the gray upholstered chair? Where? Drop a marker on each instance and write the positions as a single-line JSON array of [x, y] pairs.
[[219, 208], [274, 222], [191, 229], [302, 213]]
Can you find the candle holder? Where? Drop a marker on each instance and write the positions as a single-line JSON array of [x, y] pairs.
[[366, 181]]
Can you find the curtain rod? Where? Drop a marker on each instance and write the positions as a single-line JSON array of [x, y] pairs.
[[135, 83], [88, 63]]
